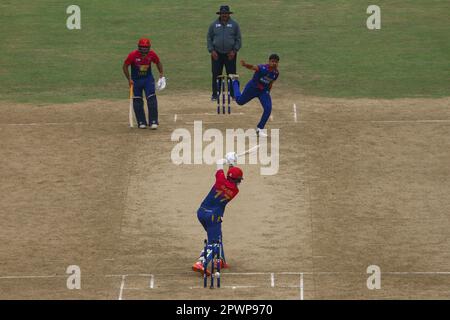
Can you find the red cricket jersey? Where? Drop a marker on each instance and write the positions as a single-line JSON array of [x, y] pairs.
[[141, 66], [220, 194]]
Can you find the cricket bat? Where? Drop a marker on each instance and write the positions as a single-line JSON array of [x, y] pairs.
[[131, 111]]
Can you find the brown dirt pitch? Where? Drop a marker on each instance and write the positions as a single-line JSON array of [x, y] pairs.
[[361, 182]]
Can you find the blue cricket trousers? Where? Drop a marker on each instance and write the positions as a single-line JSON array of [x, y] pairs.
[[148, 86], [212, 223], [250, 92]]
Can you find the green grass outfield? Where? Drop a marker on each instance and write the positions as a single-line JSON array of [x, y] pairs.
[[325, 47]]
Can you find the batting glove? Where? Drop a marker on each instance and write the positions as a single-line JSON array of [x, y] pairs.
[[161, 84], [231, 158]]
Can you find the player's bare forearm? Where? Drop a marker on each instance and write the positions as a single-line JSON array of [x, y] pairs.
[[126, 72], [160, 69], [249, 66]]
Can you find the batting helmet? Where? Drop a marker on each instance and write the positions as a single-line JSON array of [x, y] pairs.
[[235, 174], [144, 42]]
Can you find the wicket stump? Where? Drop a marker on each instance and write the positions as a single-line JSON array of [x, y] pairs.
[[216, 259], [220, 82]]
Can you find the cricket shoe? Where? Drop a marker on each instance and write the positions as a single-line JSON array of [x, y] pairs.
[[214, 97], [260, 132], [154, 126], [198, 267], [142, 126]]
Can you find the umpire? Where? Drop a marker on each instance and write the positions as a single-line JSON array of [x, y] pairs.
[[223, 41]]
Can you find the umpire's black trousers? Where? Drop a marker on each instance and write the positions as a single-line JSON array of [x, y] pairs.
[[217, 68]]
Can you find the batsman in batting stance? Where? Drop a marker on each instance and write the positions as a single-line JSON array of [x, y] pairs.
[[142, 81], [259, 86], [212, 209]]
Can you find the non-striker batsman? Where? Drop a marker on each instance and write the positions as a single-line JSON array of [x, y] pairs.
[[142, 81]]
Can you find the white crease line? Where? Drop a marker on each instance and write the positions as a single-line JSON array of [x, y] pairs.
[[59, 123], [301, 286], [130, 275], [232, 274], [286, 273], [383, 272], [54, 123], [410, 121], [303, 121], [214, 114], [152, 281], [246, 273], [245, 287], [32, 277], [122, 286], [272, 280], [207, 122], [227, 287], [418, 272], [295, 113]]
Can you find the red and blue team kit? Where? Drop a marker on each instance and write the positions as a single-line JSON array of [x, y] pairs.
[[141, 66]]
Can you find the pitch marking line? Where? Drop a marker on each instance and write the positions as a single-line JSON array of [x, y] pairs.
[[272, 278], [32, 277], [206, 122], [55, 123], [445, 273], [431, 121], [301, 286], [275, 122], [269, 273], [212, 114], [131, 275], [243, 287], [419, 272], [411, 121], [122, 286], [295, 113], [152, 281], [227, 287]]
